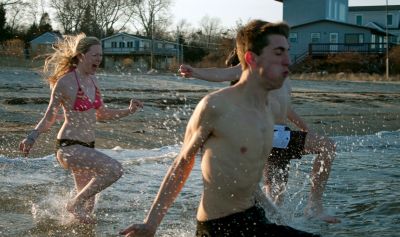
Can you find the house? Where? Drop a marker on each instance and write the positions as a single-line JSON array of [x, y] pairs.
[[123, 50], [44, 42], [376, 17], [322, 27]]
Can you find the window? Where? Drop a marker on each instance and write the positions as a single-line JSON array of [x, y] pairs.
[[354, 38], [113, 44], [159, 45], [373, 40], [122, 44], [389, 19], [315, 37], [293, 37], [359, 20], [130, 44], [342, 12], [169, 46]]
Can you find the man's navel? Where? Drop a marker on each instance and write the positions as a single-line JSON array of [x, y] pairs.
[[243, 149]]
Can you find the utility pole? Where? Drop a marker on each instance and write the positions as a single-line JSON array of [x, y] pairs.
[[152, 43], [177, 46], [387, 43]]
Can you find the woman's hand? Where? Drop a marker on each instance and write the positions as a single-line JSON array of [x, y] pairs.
[[135, 105], [26, 144]]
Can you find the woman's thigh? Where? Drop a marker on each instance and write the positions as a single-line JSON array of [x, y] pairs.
[[77, 157]]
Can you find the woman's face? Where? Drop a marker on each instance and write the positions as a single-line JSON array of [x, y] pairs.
[[91, 59]]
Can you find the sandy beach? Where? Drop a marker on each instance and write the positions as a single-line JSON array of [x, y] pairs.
[[333, 108]]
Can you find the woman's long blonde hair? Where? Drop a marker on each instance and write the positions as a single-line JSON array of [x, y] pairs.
[[65, 56]]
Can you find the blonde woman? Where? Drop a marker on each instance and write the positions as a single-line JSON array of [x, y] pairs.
[[71, 70]]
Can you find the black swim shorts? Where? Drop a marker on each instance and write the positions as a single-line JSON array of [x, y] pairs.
[[294, 149], [249, 223], [68, 142]]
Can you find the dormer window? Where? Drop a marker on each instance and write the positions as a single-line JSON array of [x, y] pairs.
[[389, 19], [359, 20]]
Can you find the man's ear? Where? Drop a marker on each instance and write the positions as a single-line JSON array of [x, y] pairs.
[[250, 59]]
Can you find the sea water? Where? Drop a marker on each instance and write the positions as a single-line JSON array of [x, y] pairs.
[[363, 191]]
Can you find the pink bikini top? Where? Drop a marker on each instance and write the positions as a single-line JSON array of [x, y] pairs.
[[82, 102]]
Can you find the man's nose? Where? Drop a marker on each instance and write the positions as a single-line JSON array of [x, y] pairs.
[[286, 60]]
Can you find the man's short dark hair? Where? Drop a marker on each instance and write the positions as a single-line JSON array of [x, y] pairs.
[[254, 37]]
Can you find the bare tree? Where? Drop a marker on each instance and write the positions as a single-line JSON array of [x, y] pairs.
[[108, 12], [69, 13], [183, 28], [103, 15], [15, 14], [151, 15], [211, 28], [9, 2]]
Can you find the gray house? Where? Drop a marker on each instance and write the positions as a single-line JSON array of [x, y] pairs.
[[123, 50], [44, 42], [321, 27], [377, 17]]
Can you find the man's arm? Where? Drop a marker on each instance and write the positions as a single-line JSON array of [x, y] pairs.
[[198, 130], [212, 74]]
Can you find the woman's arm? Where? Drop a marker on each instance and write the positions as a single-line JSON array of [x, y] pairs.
[[46, 122], [103, 113]]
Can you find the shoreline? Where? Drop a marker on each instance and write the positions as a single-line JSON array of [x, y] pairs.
[[313, 76]]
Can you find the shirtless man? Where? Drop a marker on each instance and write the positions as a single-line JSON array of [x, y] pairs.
[[234, 128], [287, 144]]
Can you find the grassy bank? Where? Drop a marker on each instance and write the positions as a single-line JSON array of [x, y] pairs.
[[322, 76], [37, 63]]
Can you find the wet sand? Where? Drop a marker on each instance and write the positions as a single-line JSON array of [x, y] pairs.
[[329, 107]]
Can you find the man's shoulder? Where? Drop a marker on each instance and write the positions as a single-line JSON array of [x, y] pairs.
[[216, 100], [219, 96]]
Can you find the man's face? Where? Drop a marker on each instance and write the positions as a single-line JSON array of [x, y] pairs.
[[273, 62]]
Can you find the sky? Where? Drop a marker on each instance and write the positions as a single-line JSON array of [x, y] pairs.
[[230, 11]]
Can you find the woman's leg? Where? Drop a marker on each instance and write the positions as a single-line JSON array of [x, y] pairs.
[[105, 172], [82, 178]]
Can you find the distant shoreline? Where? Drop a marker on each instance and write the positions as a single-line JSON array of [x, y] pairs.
[[313, 76]]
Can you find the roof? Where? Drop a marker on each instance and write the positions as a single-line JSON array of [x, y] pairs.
[[377, 30], [133, 36], [374, 8], [47, 38], [124, 34]]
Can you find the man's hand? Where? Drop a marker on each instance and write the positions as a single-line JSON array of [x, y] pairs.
[[141, 230], [186, 70]]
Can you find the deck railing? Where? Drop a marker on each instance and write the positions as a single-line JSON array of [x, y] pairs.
[[365, 48]]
